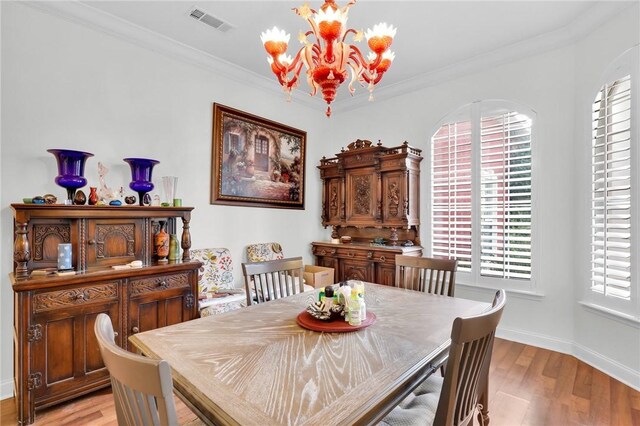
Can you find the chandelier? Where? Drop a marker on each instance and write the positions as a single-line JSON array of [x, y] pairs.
[[327, 58]]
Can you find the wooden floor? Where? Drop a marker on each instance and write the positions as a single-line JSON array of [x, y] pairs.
[[529, 386]]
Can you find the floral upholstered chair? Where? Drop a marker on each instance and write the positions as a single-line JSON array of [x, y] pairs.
[[215, 282], [263, 252]]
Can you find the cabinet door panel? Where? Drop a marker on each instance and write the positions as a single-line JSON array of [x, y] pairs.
[[334, 201], [66, 355], [385, 274], [114, 241], [356, 270], [145, 316], [361, 204], [59, 337], [174, 308], [394, 198], [159, 301]]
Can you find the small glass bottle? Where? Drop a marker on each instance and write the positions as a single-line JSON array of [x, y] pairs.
[[354, 309], [328, 298], [174, 248], [363, 306]]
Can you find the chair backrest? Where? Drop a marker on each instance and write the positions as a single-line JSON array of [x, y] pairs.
[[142, 387], [263, 252], [436, 276], [216, 270], [270, 280], [467, 368]]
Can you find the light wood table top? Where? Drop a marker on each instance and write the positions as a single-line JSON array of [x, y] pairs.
[[257, 366]]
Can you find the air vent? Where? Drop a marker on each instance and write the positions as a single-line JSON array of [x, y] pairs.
[[209, 19]]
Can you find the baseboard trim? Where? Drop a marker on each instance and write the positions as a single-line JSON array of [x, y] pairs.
[[610, 367], [6, 389]]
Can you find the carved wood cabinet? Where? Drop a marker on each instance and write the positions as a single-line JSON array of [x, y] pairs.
[[372, 194], [361, 261], [56, 355]]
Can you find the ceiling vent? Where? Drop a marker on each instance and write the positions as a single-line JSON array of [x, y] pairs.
[[209, 19]]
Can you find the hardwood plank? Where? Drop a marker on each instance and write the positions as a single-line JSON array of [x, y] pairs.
[[600, 413], [555, 389]]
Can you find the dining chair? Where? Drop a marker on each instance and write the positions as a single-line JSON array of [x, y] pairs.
[[142, 387], [273, 279], [216, 291], [454, 399], [435, 276]]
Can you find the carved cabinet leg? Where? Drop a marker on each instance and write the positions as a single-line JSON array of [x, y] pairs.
[[186, 240], [21, 250]]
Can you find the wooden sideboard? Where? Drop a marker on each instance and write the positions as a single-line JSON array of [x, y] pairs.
[[56, 355], [364, 262], [370, 192]]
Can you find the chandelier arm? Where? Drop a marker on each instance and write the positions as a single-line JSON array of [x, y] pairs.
[[355, 75], [346, 33], [296, 75], [358, 53]]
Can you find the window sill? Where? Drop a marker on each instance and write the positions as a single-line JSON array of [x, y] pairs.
[[612, 314], [524, 294]]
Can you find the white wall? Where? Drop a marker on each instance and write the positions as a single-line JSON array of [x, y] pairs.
[[68, 86], [551, 84]]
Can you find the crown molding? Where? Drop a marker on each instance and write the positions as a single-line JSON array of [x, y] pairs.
[[574, 31], [98, 20], [86, 15]]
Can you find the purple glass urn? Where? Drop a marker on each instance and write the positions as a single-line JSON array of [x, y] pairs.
[[141, 169], [70, 169]]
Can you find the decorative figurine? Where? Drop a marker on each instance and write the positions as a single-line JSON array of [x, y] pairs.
[[115, 203], [80, 198], [50, 199], [130, 199], [104, 193]]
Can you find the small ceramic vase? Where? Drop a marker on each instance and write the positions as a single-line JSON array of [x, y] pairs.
[[93, 195], [174, 248], [161, 242]]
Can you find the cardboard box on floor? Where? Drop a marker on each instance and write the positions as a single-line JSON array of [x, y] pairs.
[[318, 276]]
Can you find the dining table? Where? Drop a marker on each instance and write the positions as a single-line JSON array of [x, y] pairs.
[[259, 366]]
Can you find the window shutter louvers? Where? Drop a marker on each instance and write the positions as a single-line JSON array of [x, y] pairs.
[[499, 155], [505, 192], [451, 193], [611, 190]]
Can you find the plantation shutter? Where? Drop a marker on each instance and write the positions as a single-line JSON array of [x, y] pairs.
[[451, 193], [505, 196], [611, 190]]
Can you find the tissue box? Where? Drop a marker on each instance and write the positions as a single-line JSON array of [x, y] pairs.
[[318, 276]]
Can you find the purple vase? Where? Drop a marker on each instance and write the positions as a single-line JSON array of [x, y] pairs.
[[141, 169], [70, 169]]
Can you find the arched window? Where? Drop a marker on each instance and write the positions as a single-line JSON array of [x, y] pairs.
[[481, 191], [614, 186]]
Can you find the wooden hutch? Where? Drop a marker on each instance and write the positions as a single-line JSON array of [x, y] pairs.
[[372, 194], [56, 355]]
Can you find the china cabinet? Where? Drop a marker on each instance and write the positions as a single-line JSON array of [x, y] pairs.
[[370, 193]]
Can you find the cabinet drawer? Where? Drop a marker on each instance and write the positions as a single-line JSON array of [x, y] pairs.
[[75, 296], [141, 286]]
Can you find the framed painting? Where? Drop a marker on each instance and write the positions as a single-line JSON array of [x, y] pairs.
[[256, 162]]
